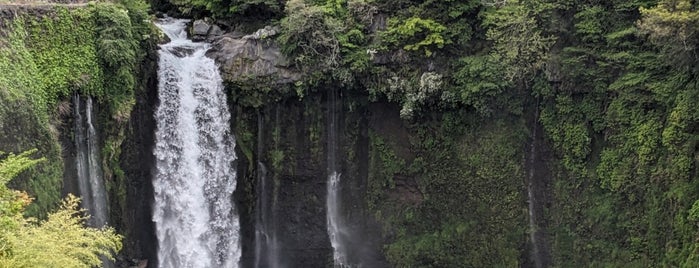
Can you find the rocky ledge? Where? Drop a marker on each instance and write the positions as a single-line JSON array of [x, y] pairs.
[[246, 59]]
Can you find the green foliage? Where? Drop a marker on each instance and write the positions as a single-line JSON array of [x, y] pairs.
[[452, 199], [416, 33], [310, 34], [447, 248], [258, 92], [478, 82], [12, 164], [13, 202], [60, 241], [118, 47], [385, 165], [259, 9], [625, 185], [24, 97], [672, 25], [613, 84], [48, 57], [619, 112], [518, 42], [64, 52]]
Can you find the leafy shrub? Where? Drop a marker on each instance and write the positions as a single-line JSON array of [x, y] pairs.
[[415, 33], [262, 9], [60, 241], [310, 35]]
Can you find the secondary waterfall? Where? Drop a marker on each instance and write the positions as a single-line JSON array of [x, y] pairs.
[[266, 243], [195, 217], [87, 162], [539, 251], [336, 226], [87, 165]]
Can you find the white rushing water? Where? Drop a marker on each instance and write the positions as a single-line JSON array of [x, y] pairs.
[[87, 161], [194, 213], [335, 226], [93, 194], [335, 222]]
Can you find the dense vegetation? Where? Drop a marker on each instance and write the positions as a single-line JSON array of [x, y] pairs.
[[49, 54], [60, 241], [613, 84]]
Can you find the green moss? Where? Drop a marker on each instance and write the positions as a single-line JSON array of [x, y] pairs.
[[256, 93], [44, 59], [51, 57], [384, 166], [312, 109], [277, 158], [458, 186]]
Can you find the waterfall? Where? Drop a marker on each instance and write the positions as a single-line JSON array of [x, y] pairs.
[[195, 218], [336, 226], [87, 162], [266, 244], [539, 250]]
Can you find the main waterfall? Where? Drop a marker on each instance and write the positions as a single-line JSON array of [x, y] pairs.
[[194, 213]]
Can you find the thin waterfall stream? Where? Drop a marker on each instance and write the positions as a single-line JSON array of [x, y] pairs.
[[87, 162], [196, 221], [335, 222], [266, 243]]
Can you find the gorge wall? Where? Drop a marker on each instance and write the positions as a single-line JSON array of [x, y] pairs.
[[451, 154]]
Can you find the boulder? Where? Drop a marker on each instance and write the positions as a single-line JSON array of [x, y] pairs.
[[247, 60], [263, 33], [214, 32], [200, 29]]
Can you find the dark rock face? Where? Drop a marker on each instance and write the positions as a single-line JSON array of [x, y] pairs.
[[137, 161], [294, 147], [298, 195]]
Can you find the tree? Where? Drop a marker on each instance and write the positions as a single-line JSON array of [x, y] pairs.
[[262, 9], [310, 34], [518, 41], [62, 240], [673, 25]]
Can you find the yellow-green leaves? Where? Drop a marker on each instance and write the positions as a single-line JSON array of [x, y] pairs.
[[672, 25], [417, 33], [518, 39], [60, 241], [14, 164]]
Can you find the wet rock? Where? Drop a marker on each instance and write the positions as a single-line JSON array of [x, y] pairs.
[[237, 33], [214, 32], [263, 33], [200, 29], [139, 264]]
